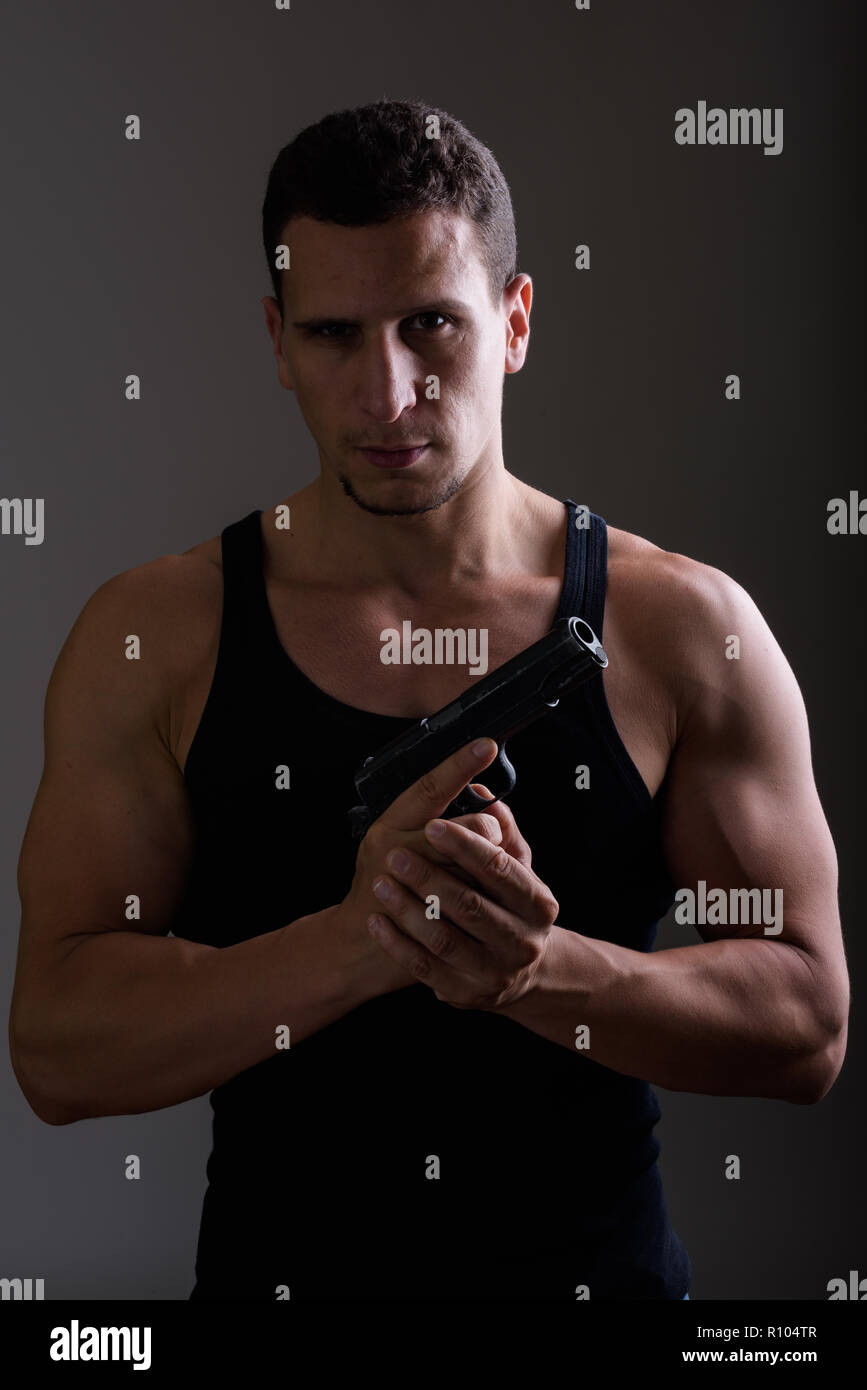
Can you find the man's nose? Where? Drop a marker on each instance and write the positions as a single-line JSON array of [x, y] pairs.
[[387, 375]]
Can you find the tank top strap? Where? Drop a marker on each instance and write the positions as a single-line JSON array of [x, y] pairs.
[[586, 573], [243, 626], [589, 549], [595, 573]]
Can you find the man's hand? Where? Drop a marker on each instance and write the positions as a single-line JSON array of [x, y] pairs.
[[496, 914], [402, 825]]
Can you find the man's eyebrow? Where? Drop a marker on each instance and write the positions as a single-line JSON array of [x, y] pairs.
[[448, 306]]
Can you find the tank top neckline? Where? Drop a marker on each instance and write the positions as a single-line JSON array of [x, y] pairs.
[[570, 601], [248, 634]]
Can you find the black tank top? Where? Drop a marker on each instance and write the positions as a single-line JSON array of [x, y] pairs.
[[317, 1177]]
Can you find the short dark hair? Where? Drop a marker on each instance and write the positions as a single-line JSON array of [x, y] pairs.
[[376, 162]]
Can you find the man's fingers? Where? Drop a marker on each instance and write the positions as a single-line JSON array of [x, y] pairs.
[[500, 876], [484, 823], [432, 793], [497, 826], [510, 836]]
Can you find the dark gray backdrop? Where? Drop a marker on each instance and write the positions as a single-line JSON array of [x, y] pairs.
[[146, 257]]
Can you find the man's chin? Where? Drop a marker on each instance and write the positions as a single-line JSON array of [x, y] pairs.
[[411, 497]]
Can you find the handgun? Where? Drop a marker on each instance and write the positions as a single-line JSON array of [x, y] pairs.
[[511, 697]]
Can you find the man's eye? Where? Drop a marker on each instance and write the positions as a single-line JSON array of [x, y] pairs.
[[332, 330], [428, 315], [426, 321]]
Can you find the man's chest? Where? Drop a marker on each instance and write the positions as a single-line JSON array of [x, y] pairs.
[[408, 660], [405, 658]]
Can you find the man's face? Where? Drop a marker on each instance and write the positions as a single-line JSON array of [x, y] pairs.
[[391, 339]]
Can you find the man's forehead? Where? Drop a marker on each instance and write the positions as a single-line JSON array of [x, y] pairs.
[[403, 256]]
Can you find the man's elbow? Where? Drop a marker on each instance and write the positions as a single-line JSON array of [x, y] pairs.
[[819, 1071], [49, 1115], [44, 1105], [45, 1108], [824, 1018]]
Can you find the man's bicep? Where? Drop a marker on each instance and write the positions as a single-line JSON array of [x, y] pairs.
[[741, 810], [106, 849], [108, 838]]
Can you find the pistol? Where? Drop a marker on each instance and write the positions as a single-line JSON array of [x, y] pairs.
[[517, 693]]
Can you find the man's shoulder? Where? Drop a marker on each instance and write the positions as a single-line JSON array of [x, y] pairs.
[[679, 614], [202, 563], [651, 580], [172, 604]]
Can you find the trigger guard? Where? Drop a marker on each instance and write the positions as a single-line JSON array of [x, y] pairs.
[[468, 802]]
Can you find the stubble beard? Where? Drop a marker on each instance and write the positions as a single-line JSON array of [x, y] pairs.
[[442, 494]]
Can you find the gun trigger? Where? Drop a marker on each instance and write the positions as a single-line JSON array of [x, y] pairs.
[[469, 801]]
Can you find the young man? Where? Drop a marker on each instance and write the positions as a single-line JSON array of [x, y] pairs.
[[463, 1108]]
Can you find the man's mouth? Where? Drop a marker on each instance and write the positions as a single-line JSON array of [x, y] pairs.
[[394, 458]]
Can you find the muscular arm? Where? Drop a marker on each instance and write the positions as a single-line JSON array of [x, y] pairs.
[[745, 1013], [112, 1016]]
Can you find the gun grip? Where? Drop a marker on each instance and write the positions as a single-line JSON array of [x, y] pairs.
[[468, 801]]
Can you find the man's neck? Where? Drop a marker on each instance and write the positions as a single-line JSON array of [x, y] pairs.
[[487, 533]]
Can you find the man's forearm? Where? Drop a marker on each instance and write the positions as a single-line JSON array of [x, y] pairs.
[[130, 1023], [733, 1017]]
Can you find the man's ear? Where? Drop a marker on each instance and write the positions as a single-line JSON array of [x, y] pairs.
[[274, 324], [517, 297]]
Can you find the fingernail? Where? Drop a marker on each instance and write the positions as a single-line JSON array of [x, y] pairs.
[[382, 889], [479, 749], [434, 828]]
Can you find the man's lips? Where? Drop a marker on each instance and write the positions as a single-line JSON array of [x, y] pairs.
[[394, 458]]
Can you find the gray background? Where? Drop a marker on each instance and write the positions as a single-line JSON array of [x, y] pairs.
[[146, 257]]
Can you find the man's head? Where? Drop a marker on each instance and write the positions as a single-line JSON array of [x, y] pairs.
[[401, 307]]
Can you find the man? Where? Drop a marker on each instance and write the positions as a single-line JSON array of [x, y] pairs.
[[456, 1102]]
